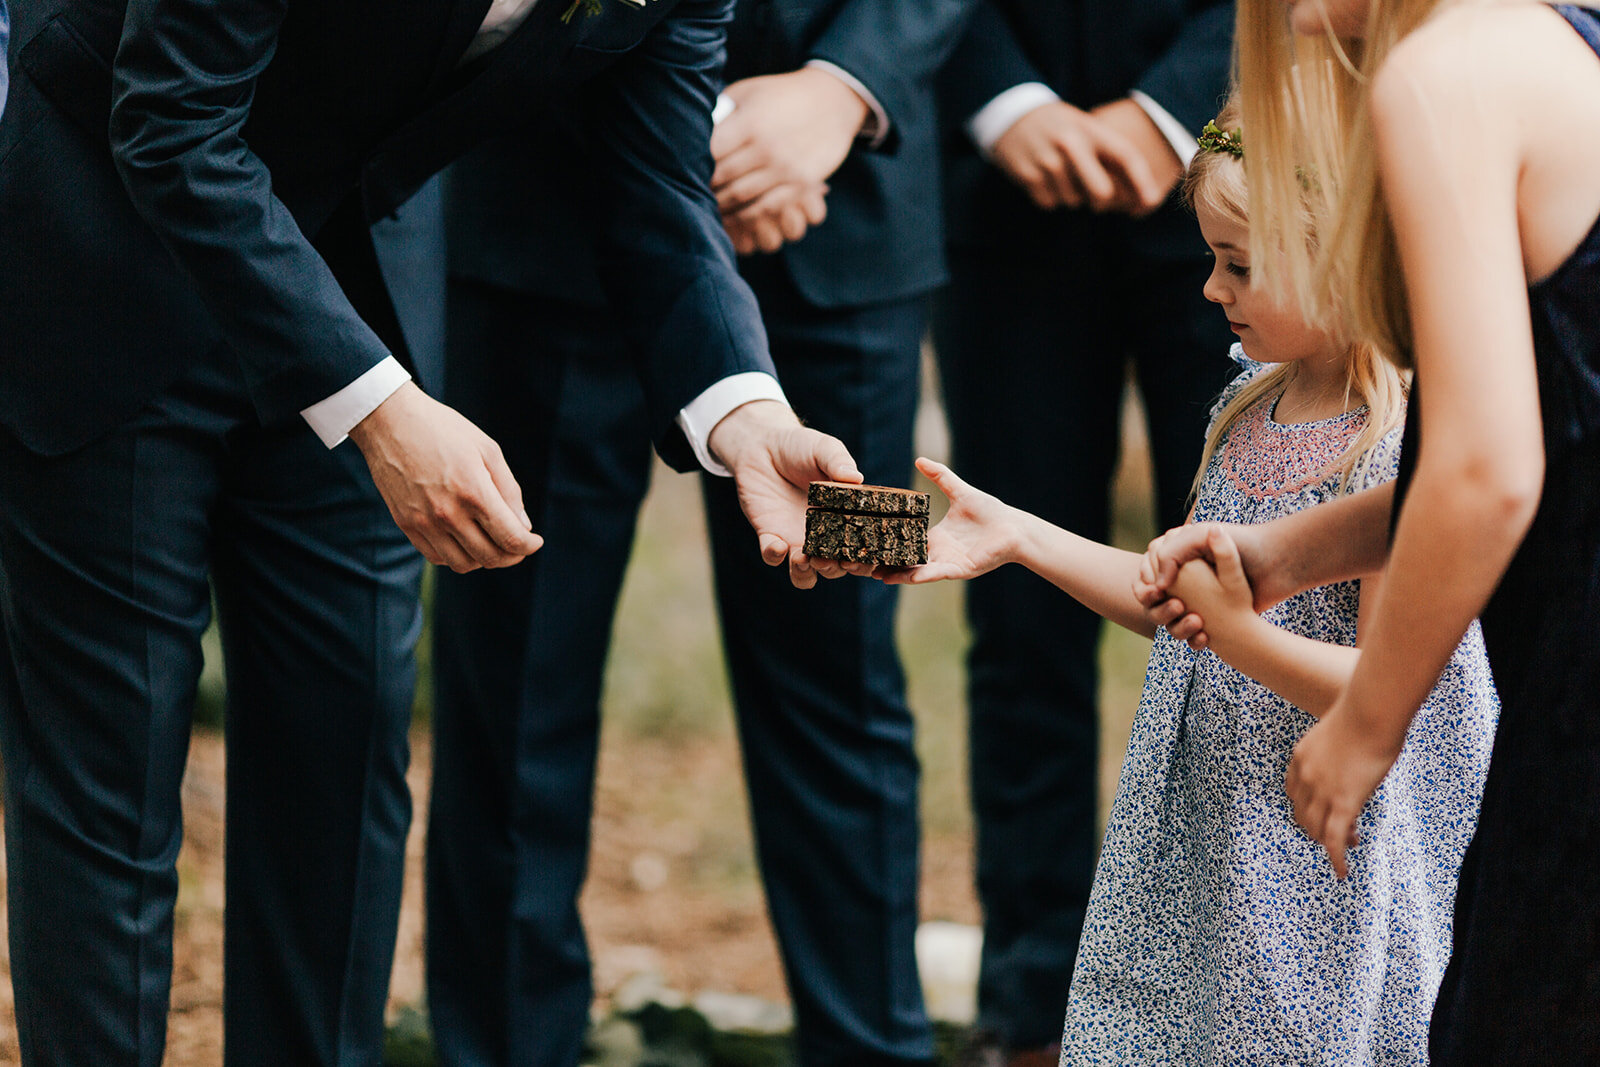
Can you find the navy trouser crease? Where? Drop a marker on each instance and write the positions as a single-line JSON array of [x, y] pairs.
[[830, 768], [104, 560]]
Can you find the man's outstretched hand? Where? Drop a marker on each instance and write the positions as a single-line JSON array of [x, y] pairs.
[[774, 459], [446, 483]]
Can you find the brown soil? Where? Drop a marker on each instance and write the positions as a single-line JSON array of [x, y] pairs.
[[661, 895]]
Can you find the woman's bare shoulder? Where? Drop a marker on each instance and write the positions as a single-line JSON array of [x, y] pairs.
[[1503, 46]]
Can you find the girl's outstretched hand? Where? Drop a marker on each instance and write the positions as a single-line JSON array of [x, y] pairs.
[[977, 534], [1336, 767]]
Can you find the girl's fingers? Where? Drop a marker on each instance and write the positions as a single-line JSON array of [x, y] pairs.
[[1225, 557], [942, 476]]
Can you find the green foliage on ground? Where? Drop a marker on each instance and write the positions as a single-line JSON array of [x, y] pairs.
[[654, 1035]]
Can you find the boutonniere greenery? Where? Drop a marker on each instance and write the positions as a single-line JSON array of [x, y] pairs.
[[593, 7]]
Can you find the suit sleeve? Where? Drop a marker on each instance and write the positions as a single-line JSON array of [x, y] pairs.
[[986, 62], [666, 265], [1190, 79], [893, 47], [5, 33], [184, 81]]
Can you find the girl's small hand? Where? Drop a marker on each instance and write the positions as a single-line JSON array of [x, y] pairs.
[[977, 534], [1217, 592], [1336, 766]]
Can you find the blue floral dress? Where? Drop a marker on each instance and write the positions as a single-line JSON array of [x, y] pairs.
[[1216, 932]]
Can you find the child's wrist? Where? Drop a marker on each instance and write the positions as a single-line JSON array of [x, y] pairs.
[[1023, 544], [1237, 630]]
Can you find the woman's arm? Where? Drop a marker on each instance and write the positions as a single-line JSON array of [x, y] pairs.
[[981, 532], [1333, 542], [1451, 154]]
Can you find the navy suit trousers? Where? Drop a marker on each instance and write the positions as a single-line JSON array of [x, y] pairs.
[[826, 734], [104, 558], [1034, 358]]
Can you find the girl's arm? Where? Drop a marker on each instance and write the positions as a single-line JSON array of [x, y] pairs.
[[980, 533], [1452, 151]]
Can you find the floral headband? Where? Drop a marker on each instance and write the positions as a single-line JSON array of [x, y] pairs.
[[1215, 139]]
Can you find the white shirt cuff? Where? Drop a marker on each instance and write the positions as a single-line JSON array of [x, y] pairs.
[[702, 414], [1182, 141], [333, 419], [876, 128], [1000, 114]]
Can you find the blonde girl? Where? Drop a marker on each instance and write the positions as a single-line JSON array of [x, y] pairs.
[[1467, 153], [1213, 934]]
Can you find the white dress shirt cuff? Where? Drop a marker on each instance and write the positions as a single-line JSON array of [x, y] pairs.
[[702, 414], [333, 419], [1182, 141], [876, 128], [1000, 114]]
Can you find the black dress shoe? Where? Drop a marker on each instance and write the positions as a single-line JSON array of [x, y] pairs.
[[983, 1048]]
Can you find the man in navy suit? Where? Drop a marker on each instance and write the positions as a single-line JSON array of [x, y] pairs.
[[1069, 124], [821, 91], [194, 318]]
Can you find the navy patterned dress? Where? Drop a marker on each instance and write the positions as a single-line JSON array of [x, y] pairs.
[[1216, 932], [1524, 983]]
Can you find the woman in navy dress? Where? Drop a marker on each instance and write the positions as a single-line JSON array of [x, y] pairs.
[[1465, 238]]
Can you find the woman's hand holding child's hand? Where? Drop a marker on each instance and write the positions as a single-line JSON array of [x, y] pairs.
[[977, 534], [1155, 587], [1214, 588]]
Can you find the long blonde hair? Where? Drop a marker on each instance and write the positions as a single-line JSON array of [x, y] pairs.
[[1218, 181], [1306, 101]]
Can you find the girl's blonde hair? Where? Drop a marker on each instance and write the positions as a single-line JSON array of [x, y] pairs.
[[1306, 101], [1218, 181]]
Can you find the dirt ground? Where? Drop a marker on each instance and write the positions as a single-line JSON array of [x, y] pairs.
[[659, 897]]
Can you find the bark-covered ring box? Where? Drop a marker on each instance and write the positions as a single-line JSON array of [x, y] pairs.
[[867, 524]]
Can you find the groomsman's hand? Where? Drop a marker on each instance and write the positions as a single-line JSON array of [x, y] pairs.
[[774, 460], [1135, 125], [774, 153], [446, 483], [1063, 156]]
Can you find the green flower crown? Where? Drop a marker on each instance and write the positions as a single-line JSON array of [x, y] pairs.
[[1215, 139]]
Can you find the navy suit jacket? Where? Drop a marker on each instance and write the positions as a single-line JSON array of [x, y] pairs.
[[1090, 52], [250, 145], [5, 35], [883, 236]]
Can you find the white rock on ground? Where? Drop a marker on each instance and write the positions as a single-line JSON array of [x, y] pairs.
[[735, 1013], [947, 958]]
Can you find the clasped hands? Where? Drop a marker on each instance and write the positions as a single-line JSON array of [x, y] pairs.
[[774, 153], [1110, 158]]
